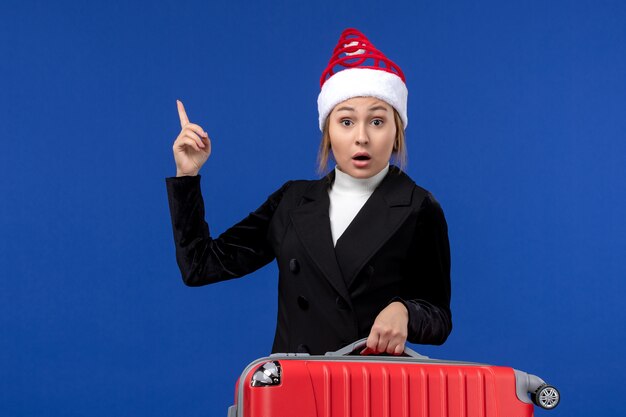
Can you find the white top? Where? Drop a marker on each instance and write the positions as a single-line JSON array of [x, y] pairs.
[[347, 196]]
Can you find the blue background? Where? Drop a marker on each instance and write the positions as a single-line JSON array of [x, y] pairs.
[[517, 125]]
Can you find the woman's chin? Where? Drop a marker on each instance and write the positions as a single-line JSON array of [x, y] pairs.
[[360, 168]]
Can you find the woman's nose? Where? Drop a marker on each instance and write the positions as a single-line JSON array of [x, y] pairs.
[[362, 137]]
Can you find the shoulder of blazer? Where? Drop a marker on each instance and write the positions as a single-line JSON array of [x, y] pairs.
[[402, 183], [298, 192], [399, 189]]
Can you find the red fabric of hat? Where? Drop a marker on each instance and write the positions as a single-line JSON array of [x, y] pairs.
[[358, 52]]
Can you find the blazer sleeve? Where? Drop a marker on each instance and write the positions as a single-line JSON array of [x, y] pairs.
[[430, 318], [238, 251]]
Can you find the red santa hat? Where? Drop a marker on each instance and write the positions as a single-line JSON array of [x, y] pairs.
[[358, 69]]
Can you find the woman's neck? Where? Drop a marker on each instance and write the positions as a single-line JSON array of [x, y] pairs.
[[347, 184]]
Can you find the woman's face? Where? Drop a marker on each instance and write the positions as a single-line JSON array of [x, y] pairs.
[[362, 133]]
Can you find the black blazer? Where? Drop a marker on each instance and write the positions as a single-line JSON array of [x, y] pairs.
[[395, 249]]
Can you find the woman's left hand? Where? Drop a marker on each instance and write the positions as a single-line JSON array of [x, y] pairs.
[[389, 332]]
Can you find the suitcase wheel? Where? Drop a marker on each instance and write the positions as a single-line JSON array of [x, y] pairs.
[[546, 397]]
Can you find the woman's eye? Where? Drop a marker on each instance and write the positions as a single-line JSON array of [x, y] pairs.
[[346, 122], [377, 122]]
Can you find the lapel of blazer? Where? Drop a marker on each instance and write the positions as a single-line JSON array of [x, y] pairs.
[[381, 216], [312, 225]]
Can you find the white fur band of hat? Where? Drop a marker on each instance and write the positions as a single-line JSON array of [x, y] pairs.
[[366, 72]]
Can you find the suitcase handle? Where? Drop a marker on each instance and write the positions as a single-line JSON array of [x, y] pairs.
[[360, 344]]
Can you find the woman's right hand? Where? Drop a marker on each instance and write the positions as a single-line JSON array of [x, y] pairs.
[[192, 147]]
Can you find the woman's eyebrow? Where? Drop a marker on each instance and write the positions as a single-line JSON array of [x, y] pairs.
[[374, 108]]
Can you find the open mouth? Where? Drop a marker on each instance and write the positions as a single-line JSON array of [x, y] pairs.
[[361, 157]]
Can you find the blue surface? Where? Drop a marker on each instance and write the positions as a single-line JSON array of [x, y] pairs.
[[516, 125]]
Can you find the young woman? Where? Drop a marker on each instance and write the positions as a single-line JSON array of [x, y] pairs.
[[362, 252]]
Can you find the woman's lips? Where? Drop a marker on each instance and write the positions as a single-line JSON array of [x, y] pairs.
[[361, 164], [361, 159]]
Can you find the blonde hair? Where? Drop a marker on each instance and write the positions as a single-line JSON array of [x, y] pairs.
[[399, 146]]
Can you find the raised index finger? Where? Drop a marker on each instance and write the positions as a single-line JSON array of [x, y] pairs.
[[184, 120]]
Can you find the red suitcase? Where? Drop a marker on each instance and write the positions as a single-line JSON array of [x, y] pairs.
[[342, 385]]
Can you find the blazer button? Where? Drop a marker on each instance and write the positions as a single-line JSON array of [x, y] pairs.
[[302, 348], [303, 303], [341, 303], [294, 267], [369, 270]]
